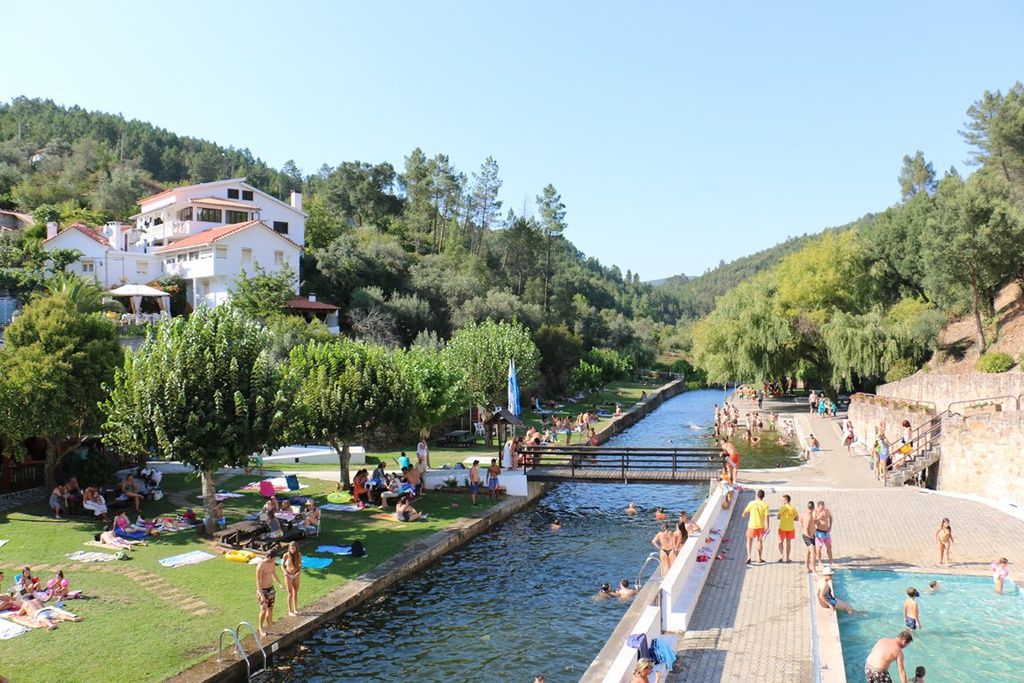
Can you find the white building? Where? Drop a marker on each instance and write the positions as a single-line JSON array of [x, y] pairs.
[[106, 256], [206, 233], [211, 260]]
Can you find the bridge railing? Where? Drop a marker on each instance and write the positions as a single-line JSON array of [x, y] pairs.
[[623, 459]]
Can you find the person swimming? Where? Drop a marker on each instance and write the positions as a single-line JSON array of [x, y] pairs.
[[631, 510], [606, 591], [556, 525]]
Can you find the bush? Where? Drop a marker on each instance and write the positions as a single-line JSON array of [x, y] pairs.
[[93, 468], [904, 367], [610, 363], [586, 376], [995, 361]]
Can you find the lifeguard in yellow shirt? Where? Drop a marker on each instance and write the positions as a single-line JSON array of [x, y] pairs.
[[757, 525], [787, 530]]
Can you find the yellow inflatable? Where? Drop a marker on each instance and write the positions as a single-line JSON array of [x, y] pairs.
[[239, 555]]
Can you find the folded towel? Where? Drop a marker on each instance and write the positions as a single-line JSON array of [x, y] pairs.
[[9, 629], [193, 557]]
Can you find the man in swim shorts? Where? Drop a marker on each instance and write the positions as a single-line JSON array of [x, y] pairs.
[[807, 534], [757, 527], [883, 654], [492, 479], [266, 576], [823, 531], [787, 530], [474, 480]]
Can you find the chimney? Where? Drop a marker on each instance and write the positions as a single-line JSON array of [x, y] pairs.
[[296, 200], [51, 229], [312, 297]]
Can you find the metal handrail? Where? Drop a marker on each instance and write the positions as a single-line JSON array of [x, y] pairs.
[[969, 402], [238, 644], [256, 637], [926, 436], [241, 650], [653, 556]]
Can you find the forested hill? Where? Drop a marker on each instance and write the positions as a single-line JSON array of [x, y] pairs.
[[696, 296], [408, 253]]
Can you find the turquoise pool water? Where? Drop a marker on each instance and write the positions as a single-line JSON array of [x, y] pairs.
[[969, 634]]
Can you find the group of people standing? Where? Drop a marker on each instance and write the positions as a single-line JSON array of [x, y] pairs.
[[815, 530]]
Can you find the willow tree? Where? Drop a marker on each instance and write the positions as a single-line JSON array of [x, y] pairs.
[[344, 390], [203, 391]]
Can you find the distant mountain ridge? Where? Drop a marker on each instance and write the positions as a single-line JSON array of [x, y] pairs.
[[699, 293]]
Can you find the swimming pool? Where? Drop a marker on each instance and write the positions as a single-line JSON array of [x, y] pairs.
[[969, 633]]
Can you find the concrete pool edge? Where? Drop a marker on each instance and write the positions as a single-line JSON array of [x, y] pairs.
[[359, 590]]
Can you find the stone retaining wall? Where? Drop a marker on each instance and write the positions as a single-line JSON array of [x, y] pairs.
[[867, 416], [942, 390], [981, 455]]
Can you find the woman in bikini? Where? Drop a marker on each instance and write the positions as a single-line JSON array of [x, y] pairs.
[[665, 542], [944, 537], [292, 565]]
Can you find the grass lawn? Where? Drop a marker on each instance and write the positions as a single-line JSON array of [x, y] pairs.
[[146, 622]]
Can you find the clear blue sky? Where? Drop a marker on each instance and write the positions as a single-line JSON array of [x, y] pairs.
[[678, 133]]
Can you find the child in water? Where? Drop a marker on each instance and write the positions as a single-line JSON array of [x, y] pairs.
[[911, 610], [1000, 572]]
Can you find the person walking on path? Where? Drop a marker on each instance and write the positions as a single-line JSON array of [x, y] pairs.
[[848, 436], [807, 531], [944, 537], [787, 531], [883, 654], [422, 457], [266, 577], [757, 525], [823, 532]]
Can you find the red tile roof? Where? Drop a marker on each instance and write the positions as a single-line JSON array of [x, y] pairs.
[[85, 230], [307, 305], [220, 201], [215, 234]]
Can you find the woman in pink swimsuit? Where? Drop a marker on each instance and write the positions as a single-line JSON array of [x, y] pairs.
[[292, 565]]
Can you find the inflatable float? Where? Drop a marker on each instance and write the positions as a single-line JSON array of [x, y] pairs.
[[239, 555]]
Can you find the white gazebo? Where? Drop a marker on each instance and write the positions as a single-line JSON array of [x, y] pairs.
[[136, 292]]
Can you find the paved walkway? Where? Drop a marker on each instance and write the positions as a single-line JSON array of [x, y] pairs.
[[754, 623]]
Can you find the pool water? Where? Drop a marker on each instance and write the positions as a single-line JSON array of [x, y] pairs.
[[970, 633], [513, 603]]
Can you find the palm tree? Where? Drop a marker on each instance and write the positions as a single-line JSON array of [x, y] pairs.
[[87, 295]]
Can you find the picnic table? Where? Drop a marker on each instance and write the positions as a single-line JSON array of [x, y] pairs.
[[458, 438]]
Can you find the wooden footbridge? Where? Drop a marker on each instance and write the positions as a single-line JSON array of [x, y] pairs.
[[620, 464]]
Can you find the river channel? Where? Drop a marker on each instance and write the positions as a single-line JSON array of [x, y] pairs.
[[519, 600]]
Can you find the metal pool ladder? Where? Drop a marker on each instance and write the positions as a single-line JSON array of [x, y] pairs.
[[653, 557], [249, 673]]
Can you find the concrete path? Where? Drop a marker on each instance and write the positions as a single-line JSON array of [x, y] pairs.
[[753, 623]]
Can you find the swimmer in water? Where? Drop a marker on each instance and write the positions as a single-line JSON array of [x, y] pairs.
[[624, 590], [659, 514], [933, 587], [631, 510], [556, 525], [606, 591]]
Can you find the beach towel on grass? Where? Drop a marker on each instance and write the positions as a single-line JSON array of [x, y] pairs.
[[194, 557], [9, 629], [29, 622], [224, 496], [279, 484], [131, 535], [308, 561], [386, 516], [336, 507], [3, 543], [333, 549], [83, 556], [97, 544]]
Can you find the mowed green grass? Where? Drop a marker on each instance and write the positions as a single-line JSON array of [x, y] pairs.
[[134, 627]]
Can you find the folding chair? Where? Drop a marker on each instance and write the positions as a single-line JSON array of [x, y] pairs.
[[293, 482], [267, 489]]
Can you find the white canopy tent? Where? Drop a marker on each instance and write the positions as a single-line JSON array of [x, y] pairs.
[[136, 292]]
